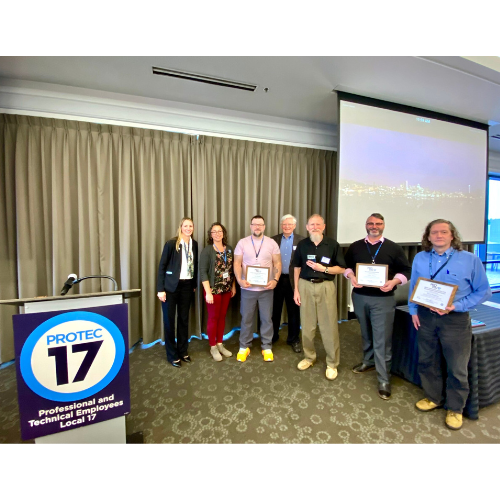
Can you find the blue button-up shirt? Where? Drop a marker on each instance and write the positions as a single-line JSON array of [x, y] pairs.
[[463, 269], [286, 249]]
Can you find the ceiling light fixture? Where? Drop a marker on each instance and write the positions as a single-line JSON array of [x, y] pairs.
[[196, 77]]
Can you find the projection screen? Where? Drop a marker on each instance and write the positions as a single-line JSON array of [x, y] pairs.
[[410, 165]]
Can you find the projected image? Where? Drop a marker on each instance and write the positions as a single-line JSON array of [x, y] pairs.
[[410, 169]]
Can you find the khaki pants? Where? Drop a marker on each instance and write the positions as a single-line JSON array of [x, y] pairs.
[[319, 307]]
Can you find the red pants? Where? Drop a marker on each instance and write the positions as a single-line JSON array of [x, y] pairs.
[[217, 317]]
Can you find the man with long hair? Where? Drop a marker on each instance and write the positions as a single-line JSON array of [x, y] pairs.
[[447, 334]]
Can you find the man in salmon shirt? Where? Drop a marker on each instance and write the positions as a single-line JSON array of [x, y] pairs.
[[261, 251]]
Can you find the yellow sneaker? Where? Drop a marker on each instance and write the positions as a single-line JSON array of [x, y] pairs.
[[453, 420], [426, 405], [243, 354], [268, 355]]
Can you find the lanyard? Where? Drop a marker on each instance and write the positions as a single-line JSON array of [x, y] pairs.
[[186, 250], [430, 264], [260, 248], [222, 254], [376, 253]]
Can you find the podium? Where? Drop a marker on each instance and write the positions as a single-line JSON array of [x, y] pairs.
[[72, 367]]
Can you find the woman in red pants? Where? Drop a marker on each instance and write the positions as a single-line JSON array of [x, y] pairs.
[[217, 278]]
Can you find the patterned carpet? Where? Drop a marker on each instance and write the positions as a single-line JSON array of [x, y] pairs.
[[257, 402]]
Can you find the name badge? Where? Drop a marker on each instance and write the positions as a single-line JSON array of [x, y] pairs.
[[311, 257], [295, 247], [225, 276], [169, 272], [325, 260]]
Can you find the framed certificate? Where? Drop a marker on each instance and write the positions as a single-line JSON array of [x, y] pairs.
[[435, 294], [374, 275], [257, 275]]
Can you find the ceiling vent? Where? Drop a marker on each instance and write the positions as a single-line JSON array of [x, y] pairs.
[[195, 77]]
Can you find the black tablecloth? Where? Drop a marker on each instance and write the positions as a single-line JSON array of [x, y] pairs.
[[484, 363]]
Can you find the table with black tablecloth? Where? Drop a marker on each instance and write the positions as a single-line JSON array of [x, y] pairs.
[[484, 363]]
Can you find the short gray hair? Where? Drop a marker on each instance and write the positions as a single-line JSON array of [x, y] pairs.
[[288, 216]]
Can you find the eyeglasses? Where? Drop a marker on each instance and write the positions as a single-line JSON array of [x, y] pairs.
[[374, 223], [217, 232], [257, 225]]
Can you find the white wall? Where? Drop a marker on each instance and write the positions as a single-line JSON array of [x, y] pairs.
[[59, 101]]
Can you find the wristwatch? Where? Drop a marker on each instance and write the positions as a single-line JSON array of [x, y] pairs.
[[326, 270], [277, 281]]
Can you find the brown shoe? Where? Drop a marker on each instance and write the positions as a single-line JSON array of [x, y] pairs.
[[426, 405], [453, 420]]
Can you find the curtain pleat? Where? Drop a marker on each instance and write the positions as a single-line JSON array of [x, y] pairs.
[[8, 237]]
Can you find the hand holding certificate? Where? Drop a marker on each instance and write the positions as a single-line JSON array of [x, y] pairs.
[[257, 275], [434, 294], [374, 275]]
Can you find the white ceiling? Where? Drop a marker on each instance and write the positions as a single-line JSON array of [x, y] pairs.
[[300, 88]]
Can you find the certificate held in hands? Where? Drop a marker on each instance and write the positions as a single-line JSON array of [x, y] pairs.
[[433, 294], [257, 275], [374, 275]]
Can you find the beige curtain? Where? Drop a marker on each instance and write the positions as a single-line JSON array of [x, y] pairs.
[[89, 199], [234, 180], [99, 199]]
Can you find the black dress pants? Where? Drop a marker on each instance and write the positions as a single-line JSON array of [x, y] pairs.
[[180, 302], [284, 291]]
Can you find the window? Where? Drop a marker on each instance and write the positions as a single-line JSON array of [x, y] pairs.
[[489, 253]]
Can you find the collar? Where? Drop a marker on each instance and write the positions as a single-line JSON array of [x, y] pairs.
[[285, 238], [445, 254], [381, 240]]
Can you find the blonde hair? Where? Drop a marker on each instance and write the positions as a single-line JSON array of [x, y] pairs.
[[179, 232]]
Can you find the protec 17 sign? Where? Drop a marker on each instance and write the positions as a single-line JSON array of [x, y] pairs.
[[72, 368]]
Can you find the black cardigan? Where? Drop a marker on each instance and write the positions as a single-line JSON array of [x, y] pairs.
[[169, 270], [207, 264]]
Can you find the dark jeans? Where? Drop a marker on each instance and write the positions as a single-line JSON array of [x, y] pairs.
[[284, 291], [179, 301], [444, 347]]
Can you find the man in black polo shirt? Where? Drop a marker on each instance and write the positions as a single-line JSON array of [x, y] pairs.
[[375, 307], [316, 261]]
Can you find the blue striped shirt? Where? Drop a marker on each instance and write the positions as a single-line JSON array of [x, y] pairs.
[[463, 269]]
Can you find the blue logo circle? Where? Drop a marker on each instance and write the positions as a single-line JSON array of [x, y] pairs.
[[27, 351]]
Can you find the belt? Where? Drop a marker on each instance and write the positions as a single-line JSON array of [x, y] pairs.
[[315, 280], [455, 313]]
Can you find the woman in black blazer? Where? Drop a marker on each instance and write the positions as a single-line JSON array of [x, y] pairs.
[[177, 280]]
